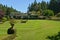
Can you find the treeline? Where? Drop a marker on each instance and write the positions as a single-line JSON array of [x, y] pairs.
[[36, 10], [47, 9], [7, 11], [5, 8]]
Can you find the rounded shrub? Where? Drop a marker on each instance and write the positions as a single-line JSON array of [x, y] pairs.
[[48, 13]]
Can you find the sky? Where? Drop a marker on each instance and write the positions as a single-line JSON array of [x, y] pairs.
[[20, 5]]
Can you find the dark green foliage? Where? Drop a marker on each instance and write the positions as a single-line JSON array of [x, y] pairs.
[[55, 6], [43, 5], [7, 10], [33, 6], [1, 14], [48, 13], [37, 8], [58, 15], [43, 8], [7, 13], [55, 37], [11, 30]]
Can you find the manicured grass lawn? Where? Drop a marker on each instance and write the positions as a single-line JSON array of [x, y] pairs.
[[32, 29]]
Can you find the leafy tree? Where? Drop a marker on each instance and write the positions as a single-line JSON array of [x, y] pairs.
[[48, 13]]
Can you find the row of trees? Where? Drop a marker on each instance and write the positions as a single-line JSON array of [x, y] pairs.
[[6, 11], [35, 10], [51, 8]]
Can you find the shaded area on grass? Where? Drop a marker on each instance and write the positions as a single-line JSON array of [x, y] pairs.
[[55, 37], [9, 37]]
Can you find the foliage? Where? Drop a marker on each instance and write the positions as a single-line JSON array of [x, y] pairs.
[[58, 15], [4, 19], [7, 10], [43, 5], [55, 6], [55, 37], [48, 13], [1, 14], [37, 8]]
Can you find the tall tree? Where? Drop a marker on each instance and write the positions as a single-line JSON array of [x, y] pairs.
[[33, 6], [55, 6], [7, 13], [43, 5]]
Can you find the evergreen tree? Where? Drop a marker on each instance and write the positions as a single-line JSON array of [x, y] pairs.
[[33, 6], [43, 5], [55, 6]]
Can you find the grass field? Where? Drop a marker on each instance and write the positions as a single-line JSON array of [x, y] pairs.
[[32, 30]]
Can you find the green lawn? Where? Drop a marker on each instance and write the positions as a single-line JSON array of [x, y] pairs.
[[32, 30]]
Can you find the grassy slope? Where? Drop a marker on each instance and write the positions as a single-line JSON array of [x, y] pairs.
[[33, 29]]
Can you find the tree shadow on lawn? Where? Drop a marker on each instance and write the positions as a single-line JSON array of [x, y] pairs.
[[9, 37]]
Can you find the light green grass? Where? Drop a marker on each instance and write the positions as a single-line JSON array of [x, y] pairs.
[[32, 30]]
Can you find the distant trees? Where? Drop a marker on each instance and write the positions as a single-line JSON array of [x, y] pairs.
[[33, 6], [1, 14], [54, 5], [7, 10], [37, 6], [36, 9], [44, 5], [44, 8], [7, 13]]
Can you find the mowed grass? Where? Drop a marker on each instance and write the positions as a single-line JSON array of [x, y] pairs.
[[32, 29]]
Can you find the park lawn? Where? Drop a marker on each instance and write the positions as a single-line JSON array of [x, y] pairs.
[[32, 29]]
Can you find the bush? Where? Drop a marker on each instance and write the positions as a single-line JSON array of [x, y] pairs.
[[54, 37], [48, 13], [4, 19], [24, 21]]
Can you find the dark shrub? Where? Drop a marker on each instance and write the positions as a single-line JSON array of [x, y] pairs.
[[11, 30], [55, 37]]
